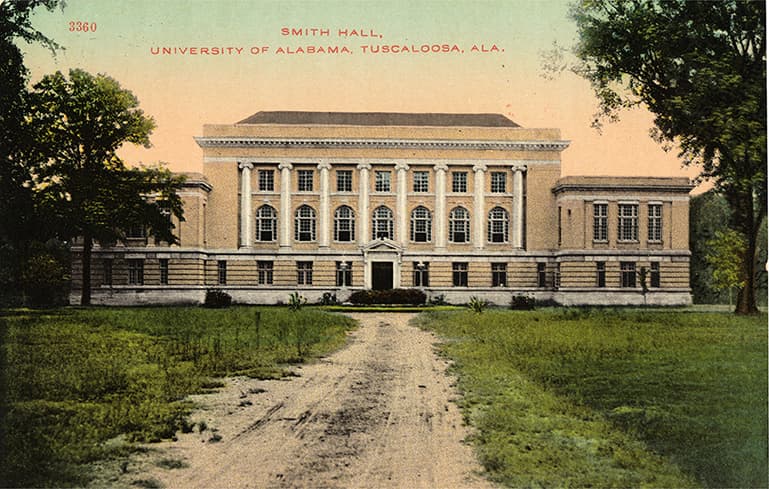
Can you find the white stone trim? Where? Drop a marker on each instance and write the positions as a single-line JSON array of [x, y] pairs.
[[245, 142], [626, 198]]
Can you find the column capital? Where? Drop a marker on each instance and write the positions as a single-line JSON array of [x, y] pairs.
[[441, 167], [519, 168], [324, 165], [285, 165], [364, 166], [401, 166], [480, 167], [243, 165]]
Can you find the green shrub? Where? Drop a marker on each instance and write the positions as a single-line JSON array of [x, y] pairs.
[[522, 303], [477, 304], [390, 296], [296, 301], [328, 299], [217, 299]]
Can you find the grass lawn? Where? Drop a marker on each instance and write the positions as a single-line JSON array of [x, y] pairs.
[[72, 379], [613, 398]]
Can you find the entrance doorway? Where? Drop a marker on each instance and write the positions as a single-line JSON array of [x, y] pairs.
[[381, 275]]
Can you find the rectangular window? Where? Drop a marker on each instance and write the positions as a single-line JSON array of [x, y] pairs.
[[221, 272], [344, 180], [654, 274], [421, 181], [107, 270], [498, 182], [304, 273], [601, 222], [164, 271], [136, 271], [628, 222], [421, 274], [627, 274], [541, 275], [266, 181], [459, 274], [560, 230], [459, 181], [264, 271], [382, 181], [135, 232], [499, 274], [655, 222], [343, 274], [304, 180], [600, 273]]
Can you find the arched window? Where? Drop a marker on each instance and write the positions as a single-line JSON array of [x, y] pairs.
[[382, 223], [499, 224], [421, 225], [344, 224], [459, 225], [266, 223], [304, 224]]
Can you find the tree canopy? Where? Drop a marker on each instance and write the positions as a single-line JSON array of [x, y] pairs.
[[700, 68], [85, 188]]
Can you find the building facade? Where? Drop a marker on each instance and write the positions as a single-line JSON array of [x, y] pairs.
[[459, 205]]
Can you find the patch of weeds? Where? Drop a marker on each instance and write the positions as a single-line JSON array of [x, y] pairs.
[[171, 463], [148, 483], [215, 438], [76, 378], [256, 390], [211, 384]]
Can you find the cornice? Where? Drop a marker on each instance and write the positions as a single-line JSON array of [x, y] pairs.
[[245, 142], [622, 187]]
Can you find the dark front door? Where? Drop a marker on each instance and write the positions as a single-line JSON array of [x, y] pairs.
[[381, 275]]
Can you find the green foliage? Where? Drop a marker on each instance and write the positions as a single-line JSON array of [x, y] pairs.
[[477, 305], [296, 301], [73, 379], [328, 299], [723, 256], [609, 398], [700, 68], [522, 303], [708, 213], [217, 299], [85, 189], [391, 296], [22, 222]]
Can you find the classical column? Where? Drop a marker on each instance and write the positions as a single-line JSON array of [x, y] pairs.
[[479, 205], [440, 204], [363, 213], [285, 204], [518, 210], [325, 205], [401, 203], [245, 203]]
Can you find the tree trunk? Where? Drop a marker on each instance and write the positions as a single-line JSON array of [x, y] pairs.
[[85, 293], [746, 298]]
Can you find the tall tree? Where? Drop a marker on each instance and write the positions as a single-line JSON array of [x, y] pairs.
[[86, 190], [700, 68]]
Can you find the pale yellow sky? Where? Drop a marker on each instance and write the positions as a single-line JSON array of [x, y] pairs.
[[184, 91]]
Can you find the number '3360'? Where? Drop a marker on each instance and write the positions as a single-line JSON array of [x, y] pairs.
[[82, 26]]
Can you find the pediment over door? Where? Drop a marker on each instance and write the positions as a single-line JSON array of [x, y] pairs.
[[382, 246]]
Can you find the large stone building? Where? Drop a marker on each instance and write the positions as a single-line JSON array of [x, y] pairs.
[[460, 205]]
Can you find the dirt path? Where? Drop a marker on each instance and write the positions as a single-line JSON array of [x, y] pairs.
[[376, 414]]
